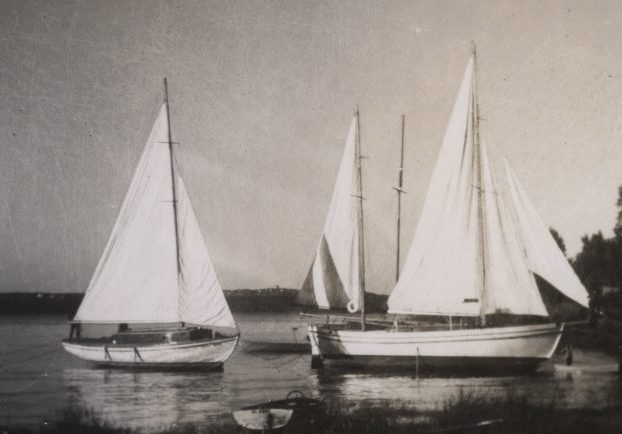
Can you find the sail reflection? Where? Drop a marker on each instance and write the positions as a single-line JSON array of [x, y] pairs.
[[148, 399]]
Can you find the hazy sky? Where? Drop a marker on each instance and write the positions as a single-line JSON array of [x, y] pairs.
[[262, 94]]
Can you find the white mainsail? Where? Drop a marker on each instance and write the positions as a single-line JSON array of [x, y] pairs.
[[543, 255], [333, 280], [137, 278], [439, 272], [464, 258]]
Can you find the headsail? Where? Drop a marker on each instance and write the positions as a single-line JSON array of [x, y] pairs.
[[137, 279], [510, 286], [201, 299], [543, 255], [333, 280], [464, 258]]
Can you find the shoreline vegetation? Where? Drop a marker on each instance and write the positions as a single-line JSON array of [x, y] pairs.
[[464, 413], [240, 300]]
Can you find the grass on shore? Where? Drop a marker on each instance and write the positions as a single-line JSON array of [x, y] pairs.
[[465, 413]]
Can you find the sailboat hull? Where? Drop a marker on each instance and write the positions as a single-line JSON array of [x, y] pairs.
[[201, 354], [495, 348]]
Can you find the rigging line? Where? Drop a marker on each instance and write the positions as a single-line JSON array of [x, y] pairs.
[[38, 356], [278, 367], [39, 377], [29, 348]]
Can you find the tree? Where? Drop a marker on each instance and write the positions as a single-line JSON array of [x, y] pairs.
[[559, 240], [618, 227]]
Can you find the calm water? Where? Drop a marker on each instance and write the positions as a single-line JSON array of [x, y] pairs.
[[37, 378]]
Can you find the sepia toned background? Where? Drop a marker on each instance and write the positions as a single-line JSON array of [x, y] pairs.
[[262, 94]]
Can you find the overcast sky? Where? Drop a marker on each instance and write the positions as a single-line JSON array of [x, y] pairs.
[[262, 94]]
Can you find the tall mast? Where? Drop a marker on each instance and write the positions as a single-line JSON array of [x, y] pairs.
[[399, 191], [480, 189], [173, 185], [360, 222]]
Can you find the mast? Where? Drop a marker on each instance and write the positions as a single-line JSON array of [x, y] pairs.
[[480, 189], [174, 188], [360, 221], [399, 191]]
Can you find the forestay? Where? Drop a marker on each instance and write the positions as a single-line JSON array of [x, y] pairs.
[[333, 280], [137, 277]]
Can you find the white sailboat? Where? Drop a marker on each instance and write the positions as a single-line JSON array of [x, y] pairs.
[[155, 279], [474, 255]]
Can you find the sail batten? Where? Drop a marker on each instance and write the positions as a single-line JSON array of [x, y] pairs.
[[333, 280]]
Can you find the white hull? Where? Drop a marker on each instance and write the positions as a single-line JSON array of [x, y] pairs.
[[195, 354], [497, 347]]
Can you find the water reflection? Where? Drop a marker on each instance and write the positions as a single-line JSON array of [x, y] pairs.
[[578, 387], [141, 399], [38, 378]]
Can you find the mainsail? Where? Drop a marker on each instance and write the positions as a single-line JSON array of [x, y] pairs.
[[466, 257], [333, 280], [138, 278]]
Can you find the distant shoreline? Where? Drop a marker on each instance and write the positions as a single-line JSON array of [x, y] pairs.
[[240, 300]]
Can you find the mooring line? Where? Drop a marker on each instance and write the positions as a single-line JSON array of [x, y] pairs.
[[39, 377]]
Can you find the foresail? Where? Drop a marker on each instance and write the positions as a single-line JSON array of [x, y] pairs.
[[543, 255], [509, 287], [333, 279], [201, 299], [440, 275], [136, 278]]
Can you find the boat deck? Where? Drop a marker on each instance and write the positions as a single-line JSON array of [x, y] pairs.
[[156, 336]]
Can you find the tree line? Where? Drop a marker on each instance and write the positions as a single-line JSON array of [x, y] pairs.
[[599, 263]]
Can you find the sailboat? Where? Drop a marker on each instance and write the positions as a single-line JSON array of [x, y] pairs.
[[474, 258], [155, 280], [334, 281]]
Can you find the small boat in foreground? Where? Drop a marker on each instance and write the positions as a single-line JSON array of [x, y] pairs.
[[155, 281], [273, 415]]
